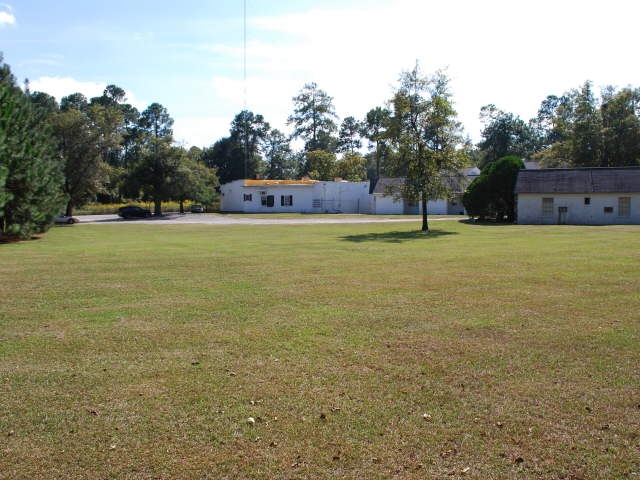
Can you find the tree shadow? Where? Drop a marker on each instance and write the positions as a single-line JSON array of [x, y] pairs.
[[396, 237], [486, 223]]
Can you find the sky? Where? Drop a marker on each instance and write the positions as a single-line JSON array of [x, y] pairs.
[[190, 55]]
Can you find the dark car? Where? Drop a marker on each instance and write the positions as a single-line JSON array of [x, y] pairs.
[[197, 209], [133, 211]]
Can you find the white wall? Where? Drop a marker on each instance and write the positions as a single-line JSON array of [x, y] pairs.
[[529, 209], [319, 197]]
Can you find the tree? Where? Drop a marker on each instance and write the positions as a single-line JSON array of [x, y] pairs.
[[281, 163], [30, 171], [320, 165], [157, 160], [352, 167], [505, 134], [428, 137], [193, 181], [586, 139], [491, 193], [374, 129], [621, 127], [349, 136], [78, 142], [248, 133], [314, 118], [153, 178], [239, 155]]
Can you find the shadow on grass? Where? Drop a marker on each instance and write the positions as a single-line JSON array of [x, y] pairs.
[[396, 237], [486, 223]]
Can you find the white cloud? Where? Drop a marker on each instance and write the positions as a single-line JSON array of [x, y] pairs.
[[7, 18], [200, 131], [62, 86]]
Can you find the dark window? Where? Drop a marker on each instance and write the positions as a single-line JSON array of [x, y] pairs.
[[587, 200], [270, 201], [286, 200], [247, 197], [608, 209], [624, 206]]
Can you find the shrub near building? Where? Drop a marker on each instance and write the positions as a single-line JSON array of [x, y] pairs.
[[491, 194]]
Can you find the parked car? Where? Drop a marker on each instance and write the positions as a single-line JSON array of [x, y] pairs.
[[133, 211], [63, 219], [197, 209]]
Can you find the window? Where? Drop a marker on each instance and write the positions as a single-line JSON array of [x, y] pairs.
[[587, 200], [247, 197], [624, 206], [608, 209], [547, 207], [267, 201], [286, 200]]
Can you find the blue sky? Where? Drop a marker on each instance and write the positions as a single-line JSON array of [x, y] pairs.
[[188, 55]]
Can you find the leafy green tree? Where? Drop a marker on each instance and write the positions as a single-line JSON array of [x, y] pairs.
[[193, 181], [156, 161], [30, 170], [491, 194], [314, 118], [352, 167], [320, 165], [281, 163], [428, 136], [248, 133], [505, 134], [240, 154], [226, 158], [349, 136], [153, 178], [621, 127], [586, 138], [374, 128]]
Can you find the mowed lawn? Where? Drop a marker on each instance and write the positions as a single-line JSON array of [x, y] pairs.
[[360, 351]]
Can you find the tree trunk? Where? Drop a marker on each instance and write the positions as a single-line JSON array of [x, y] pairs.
[[157, 204], [425, 221], [69, 211], [181, 207]]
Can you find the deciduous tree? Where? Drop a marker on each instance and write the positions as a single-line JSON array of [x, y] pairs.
[[428, 135]]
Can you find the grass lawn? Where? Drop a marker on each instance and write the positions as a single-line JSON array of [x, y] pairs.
[[360, 351]]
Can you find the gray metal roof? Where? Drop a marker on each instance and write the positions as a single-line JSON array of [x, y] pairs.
[[579, 180]]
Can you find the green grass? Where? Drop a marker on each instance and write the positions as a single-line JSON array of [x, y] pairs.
[[139, 351]]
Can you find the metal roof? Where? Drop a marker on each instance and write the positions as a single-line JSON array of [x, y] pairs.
[[579, 180]]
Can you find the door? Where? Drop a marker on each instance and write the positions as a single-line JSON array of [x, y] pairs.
[[562, 215]]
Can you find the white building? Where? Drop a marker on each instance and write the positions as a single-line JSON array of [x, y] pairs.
[[386, 200], [295, 196], [579, 196]]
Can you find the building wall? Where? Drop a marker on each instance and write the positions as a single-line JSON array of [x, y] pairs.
[[320, 197], [600, 209], [388, 205]]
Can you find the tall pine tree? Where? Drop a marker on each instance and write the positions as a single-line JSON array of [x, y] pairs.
[[30, 171]]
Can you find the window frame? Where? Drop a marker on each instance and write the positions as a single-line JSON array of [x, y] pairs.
[[547, 206], [624, 206]]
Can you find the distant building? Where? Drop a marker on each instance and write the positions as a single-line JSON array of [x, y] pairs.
[[386, 198], [294, 196], [579, 196]]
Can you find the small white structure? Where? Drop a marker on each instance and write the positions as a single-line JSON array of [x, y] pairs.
[[386, 200], [294, 196], [579, 196]]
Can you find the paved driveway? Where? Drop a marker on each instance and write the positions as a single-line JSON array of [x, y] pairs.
[[248, 219]]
